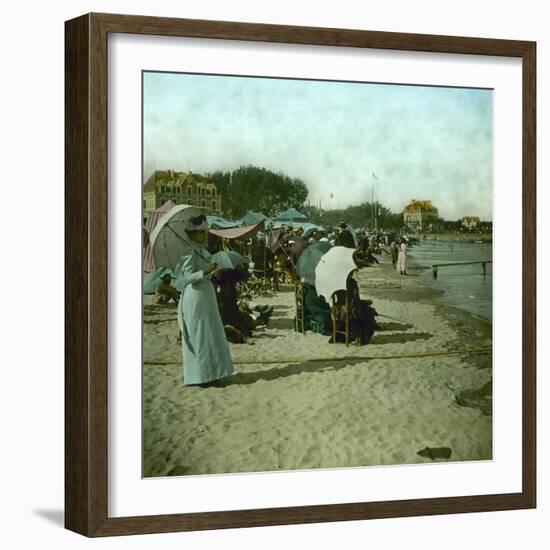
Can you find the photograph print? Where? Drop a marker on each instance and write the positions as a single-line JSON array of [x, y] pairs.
[[317, 274]]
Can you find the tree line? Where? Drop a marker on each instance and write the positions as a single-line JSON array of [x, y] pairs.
[[361, 215], [258, 189], [262, 190]]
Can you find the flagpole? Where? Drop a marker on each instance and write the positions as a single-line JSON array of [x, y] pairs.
[[372, 206], [376, 215]]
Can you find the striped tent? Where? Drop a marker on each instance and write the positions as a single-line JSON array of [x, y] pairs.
[[148, 260]]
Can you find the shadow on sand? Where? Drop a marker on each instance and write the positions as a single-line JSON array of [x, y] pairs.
[[243, 378], [390, 325], [282, 323], [400, 338]]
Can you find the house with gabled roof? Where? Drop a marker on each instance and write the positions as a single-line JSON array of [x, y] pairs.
[[181, 188], [420, 215], [470, 222]]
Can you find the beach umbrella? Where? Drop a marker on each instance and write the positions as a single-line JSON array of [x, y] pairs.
[[227, 259], [300, 244], [277, 239], [167, 241], [310, 228], [308, 260], [152, 280], [145, 238], [152, 220], [332, 271]]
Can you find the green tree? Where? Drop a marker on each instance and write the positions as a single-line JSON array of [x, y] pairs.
[[361, 215], [253, 188]]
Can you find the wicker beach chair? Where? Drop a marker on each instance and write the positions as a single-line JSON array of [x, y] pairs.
[[340, 310]]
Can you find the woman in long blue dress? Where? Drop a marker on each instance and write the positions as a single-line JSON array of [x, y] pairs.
[[206, 354]]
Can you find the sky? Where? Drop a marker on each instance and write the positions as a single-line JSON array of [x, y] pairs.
[[347, 139]]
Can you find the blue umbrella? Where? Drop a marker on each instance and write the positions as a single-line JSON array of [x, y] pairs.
[[152, 280], [227, 259], [309, 228], [308, 260]]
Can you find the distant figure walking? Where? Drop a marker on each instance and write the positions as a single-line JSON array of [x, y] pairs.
[[394, 253], [401, 266]]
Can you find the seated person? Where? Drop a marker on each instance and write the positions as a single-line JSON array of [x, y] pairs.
[[344, 237], [235, 314], [316, 310], [225, 282], [369, 256], [166, 292], [364, 254], [259, 314], [362, 316]]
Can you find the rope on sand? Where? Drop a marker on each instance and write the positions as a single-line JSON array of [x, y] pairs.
[[463, 351]]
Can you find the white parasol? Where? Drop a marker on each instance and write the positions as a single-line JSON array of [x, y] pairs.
[[169, 239], [332, 271]]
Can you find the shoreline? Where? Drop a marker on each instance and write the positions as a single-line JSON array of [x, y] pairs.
[[471, 329], [422, 270], [454, 237], [297, 402]]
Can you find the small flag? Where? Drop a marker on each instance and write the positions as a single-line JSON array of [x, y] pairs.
[[374, 176]]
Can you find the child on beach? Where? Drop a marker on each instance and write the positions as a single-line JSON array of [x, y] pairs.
[[166, 292]]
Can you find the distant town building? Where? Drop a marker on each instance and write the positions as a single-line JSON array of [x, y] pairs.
[[420, 216], [181, 188], [470, 222]]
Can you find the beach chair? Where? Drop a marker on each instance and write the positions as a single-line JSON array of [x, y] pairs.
[[253, 287], [299, 322], [340, 311]]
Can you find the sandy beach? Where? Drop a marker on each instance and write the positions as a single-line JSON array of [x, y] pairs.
[[298, 402]]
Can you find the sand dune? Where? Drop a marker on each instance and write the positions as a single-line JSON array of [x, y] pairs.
[[298, 402]]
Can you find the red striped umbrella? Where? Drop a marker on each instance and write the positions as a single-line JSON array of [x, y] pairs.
[[148, 260]]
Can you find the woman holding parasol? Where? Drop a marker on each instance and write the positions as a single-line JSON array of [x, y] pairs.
[[206, 355]]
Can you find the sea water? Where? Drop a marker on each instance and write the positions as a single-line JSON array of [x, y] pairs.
[[464, 286]]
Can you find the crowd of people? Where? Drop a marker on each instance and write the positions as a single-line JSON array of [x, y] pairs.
[[214, 307]]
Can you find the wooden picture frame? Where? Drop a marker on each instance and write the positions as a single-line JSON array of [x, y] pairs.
[[86, 223]]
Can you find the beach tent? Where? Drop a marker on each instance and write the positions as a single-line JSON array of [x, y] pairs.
[[217, 222], [292, 215], [308, 227], [242, 232], [252, 217], [155, 216]]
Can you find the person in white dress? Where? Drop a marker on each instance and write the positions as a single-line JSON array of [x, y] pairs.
[[401, 266]]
